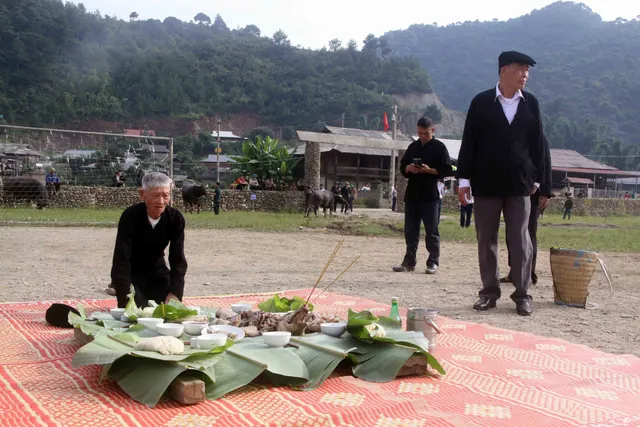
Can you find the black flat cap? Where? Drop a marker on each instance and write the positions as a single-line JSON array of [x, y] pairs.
[[512, 57], [58, 314]]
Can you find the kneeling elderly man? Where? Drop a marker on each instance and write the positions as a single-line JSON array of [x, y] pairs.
[[144, 231]]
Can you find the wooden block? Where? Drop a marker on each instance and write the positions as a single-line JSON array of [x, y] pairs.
[[187, 390], [81, 336], [416, 365]]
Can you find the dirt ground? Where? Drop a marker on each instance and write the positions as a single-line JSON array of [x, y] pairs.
[[74, 263]]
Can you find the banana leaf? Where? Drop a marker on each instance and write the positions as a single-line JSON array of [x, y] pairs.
[[357, 324], [278, 304], [131, 310], [173, 310], [89, 327], [321, 354]]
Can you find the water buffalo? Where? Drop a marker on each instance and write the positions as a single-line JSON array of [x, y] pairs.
[[25, 189], [192, 196], [322, 199]]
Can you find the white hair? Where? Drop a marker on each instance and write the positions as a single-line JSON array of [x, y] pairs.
[[155, 180]]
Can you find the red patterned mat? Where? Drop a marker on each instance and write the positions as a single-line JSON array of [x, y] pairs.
[[495, 377]]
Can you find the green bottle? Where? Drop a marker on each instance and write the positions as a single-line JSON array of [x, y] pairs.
[[395, 311]]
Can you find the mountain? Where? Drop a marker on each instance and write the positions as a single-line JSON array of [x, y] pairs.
[[60, 64], [587, 77]]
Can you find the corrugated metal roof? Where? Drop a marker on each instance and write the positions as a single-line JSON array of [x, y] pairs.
[[572, 159], [212, 158], [575, 180], [614, 172], [347, 149], [365, 133], [225, 134]]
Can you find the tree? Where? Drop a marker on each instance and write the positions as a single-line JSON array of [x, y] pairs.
[[370, 44], [219, 24], [262, 131], [352, 45], [281, 39], [335, 45], [252, 30], [289, 134], [201, 18], [434, 113], [385, 48], [133, 16], [266, 158]]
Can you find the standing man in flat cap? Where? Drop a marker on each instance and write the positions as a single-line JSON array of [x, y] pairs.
[[503, 158]]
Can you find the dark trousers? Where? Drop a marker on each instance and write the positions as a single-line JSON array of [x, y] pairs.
[[394, 201], [216, 208], [567, 213], [439, 209], [414, 214], [465, 215], [533, 235], [153, 286], [516, 217]]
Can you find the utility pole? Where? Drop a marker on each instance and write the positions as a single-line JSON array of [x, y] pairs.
[[342, 120], [394, 152], [218, 155]]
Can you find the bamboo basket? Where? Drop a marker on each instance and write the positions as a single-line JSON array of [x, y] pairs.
[[572, 272]]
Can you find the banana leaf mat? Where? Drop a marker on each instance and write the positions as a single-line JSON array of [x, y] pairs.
[[495, 377]]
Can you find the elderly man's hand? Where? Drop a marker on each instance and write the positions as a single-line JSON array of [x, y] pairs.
[[544, 201], [169, 297], [464, 194]]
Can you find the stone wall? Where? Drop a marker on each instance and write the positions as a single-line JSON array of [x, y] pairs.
[[232, 200], [581, 207]]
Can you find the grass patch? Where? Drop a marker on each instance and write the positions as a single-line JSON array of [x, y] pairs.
[[613, 234]]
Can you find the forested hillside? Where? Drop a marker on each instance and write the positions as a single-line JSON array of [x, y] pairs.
[[60, 63], [587, 77]]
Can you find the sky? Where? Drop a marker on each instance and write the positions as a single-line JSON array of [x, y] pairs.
[[313, 23]]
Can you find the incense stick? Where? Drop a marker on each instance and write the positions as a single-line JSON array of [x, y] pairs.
[[336, 279], [326, 266]]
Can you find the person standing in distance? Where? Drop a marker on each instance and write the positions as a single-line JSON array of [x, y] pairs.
[[424, 162], [503, 158]]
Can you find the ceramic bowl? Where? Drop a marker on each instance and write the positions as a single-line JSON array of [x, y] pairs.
[[212, 340], [276, 339], [117, 313], [333, 329], [193, 328], [150, 322], [170, 329], [239, 308]]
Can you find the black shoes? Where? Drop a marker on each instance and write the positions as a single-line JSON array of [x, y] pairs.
[[484, 304], [524, 308], [431, 269], [403, 268]]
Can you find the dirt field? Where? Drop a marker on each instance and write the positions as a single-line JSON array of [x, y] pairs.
[[74, 263]]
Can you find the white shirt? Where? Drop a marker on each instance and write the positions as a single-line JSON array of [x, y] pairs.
[[153, 222], [510, 108], [394, 193], [441, 189]]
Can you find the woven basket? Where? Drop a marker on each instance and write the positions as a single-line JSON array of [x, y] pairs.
[[572, 272]]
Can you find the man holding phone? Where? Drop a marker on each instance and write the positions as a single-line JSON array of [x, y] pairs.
[[424, 162]]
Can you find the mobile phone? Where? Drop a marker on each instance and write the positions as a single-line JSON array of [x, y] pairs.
[[417, 161]]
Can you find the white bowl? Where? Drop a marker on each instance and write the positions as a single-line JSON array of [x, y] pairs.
[[212, 340], [239, 308], [334, 329], [117, 313], [193, 328], [222, 329], [276, 339], [150, 322], [170, 329]]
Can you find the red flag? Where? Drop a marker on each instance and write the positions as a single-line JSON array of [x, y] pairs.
[[385, 122]]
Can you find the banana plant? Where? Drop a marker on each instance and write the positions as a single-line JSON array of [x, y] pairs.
[[266, 158]]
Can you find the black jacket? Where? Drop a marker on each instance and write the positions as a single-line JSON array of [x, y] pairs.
[[139, 249], [424, 187], [502, 159]]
